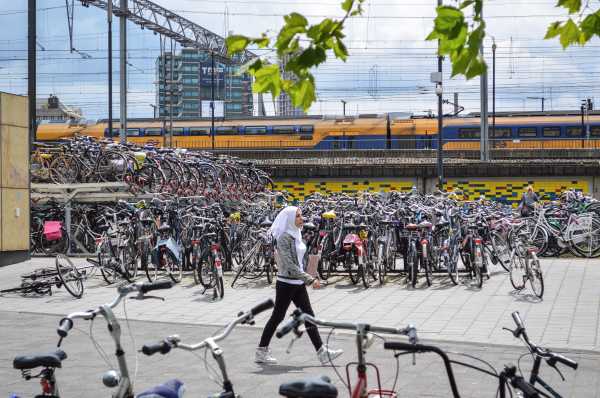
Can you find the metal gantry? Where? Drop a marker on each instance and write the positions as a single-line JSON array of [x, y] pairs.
[[151, 16]]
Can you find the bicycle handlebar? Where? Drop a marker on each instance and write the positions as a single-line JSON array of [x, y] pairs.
[[66, 323]]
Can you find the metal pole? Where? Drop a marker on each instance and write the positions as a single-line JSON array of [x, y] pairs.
[[440, 126], [212, 98], [582, 123], [109, 12], [31, 69], [543, 99], [484, 151], [170, 141], [123, 72], [455, 104], [344, 105], [494, 91]]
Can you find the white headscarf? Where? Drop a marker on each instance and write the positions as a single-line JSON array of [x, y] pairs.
[[286, 222]]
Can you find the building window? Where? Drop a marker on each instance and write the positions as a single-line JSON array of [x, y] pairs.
[[528, 132], [551, 132], [573, 131]]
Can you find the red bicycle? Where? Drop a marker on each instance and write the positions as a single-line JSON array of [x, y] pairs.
[[364, 339]]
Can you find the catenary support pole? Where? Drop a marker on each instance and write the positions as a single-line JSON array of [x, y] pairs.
[[123, 72], [440, 140], [31, 69]]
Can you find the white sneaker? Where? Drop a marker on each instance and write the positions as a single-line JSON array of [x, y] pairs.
[[327, 355], [263, 356]]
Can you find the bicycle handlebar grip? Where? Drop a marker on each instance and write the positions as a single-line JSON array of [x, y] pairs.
[[285, 329], [517, 318], [522, 385], [564, 360], [265, 305], [146, 287], [64, 326], [150, 349], [400, 345]]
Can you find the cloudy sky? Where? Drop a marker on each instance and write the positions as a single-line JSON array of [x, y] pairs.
[[388, 69]]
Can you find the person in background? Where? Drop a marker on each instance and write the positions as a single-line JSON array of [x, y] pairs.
[[291, 285], [528, 201]]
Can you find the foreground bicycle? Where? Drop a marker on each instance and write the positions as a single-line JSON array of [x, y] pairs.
[[364, 339], [174, 341], [49, 362]]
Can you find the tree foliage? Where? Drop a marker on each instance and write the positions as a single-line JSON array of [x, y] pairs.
[[460, 38], [300, 59]]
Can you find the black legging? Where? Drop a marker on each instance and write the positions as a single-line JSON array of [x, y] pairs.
[[285, 293]]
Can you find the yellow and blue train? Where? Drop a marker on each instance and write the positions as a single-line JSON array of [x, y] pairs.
[[549, 130]]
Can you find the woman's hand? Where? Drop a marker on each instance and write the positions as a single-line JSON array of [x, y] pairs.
[[316, 284]]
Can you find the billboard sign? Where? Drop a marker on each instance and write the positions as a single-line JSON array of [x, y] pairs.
[[219, 109]]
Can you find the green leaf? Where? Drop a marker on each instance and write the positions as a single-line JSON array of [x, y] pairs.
[[267, 79], [572, 5], [286, 35], [476, 67], [448, 18], [569, 34], [553, 30], [302, 93], [294, 19], [236, 44], [347, 5], [262, 41], [340, 50], [590, 26]]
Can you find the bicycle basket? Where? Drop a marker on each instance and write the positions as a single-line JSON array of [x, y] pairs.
[[52, 230]]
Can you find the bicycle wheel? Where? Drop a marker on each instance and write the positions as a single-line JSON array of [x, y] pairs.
[[105, 262], [153, 269], [517, 273], [353, 268], [69, 275], [218, 277], [587, 242], [64, 170], [478, 268], [536, 278], [537, 235], [204, 272], [501, 250], [412, 264], [51, 247], [381, 262], [173, 266], [196, 264], [128, 261], [427, 268]]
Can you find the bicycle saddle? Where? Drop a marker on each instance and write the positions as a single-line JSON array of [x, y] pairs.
[[320, 387], [164, 228], [309, 226], [266, 223], [50, 360], [411, 226], [171, 389], [425, 224]]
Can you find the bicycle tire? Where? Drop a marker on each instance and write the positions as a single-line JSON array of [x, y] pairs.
[[351, 260], [478, 268], [173, 267], [205, 270], [426, 267], [269, 270], [585, 249], [501, 250], [381, 262], [69, 275], [517, 271], [536, 278], [412, 264]]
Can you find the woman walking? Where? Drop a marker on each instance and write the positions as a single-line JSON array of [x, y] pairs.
[[291, 285]]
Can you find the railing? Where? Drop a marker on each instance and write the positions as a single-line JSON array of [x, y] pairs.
[[413, 144]]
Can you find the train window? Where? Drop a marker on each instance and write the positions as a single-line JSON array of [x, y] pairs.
[[177, 130], [283, 129], [200, 130], [502, 132], [573, 131], [227, 130], [595, 131], [256, 129], [469, 133], [154, 132], [307, 129], [527, 132], [551, 131], [133, 132], [115, 133]]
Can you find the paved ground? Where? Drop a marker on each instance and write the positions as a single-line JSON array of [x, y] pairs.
[[567, 319]]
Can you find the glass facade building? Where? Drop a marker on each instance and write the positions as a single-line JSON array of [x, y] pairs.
[[187, 84]]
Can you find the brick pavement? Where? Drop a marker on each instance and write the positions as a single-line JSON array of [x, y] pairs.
[[568, 316]]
